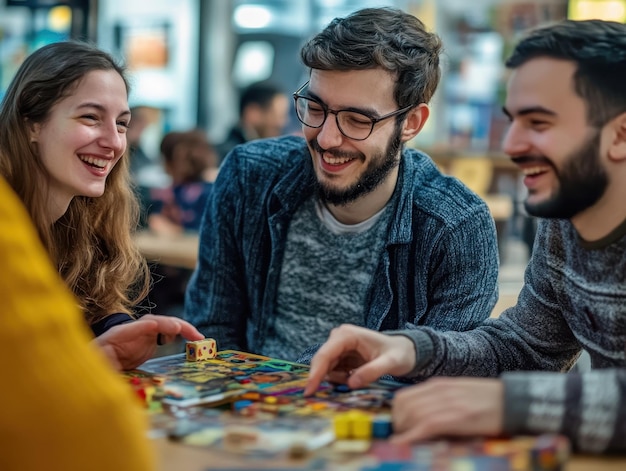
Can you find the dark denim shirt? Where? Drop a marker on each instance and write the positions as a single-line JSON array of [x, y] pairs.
[[103, 325], [439, 267]]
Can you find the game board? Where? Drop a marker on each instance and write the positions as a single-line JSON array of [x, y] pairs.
[[260, 436], [263, 397], [257, 410], [232, 373]]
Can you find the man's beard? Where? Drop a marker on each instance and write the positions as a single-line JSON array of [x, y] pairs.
[[582, 182], [380, 166]]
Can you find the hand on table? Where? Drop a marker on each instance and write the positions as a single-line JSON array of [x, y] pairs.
[[129, 345], [448, 407], [357, 356]]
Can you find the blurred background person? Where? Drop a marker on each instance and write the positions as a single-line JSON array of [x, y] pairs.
[[263, 112], [191, 162], [145, 169]]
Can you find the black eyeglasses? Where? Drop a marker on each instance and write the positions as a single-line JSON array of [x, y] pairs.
[[352, 124]]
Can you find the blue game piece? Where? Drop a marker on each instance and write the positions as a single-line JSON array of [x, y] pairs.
[[381, 426], [239, 405], [342, 388], [396, 466]]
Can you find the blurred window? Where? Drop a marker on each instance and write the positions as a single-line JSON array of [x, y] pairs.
[[254, 61]]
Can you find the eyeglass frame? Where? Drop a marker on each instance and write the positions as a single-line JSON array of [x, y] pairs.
[[327, 111]]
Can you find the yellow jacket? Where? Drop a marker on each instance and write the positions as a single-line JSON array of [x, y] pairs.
[[62, 406]]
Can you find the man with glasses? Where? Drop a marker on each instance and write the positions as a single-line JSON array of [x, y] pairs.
[[566, 103], [345, 225]]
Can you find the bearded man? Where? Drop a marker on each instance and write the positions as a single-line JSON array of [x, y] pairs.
[[344, 224]]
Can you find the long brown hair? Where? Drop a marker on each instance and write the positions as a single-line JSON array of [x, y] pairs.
[[91, 244]]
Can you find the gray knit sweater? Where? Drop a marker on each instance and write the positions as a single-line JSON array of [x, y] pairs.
[[574, 298], [438, 267]]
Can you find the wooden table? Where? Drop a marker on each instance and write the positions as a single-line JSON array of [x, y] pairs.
[[174, 457], [179, 250]]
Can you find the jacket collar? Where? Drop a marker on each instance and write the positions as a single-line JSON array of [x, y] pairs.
[[298, 184]]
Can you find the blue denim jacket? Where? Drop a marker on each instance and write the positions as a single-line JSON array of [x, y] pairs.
[[439, 267]]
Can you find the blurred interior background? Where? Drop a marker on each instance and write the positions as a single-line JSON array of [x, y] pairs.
[[190, 60]]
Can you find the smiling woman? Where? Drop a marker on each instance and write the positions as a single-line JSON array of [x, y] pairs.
[[62, 149], [93, 140], [67, 106]]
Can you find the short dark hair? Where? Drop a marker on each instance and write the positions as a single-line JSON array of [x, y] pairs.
[[259, 93], [598, 48], [385, 38]]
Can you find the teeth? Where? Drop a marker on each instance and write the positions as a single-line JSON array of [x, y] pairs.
[[534, 170], [100, 163], [335, 160]]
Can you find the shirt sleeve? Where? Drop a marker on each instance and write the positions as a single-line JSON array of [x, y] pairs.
[[589, 408], [532, 335], [462, 273], [100, 327]]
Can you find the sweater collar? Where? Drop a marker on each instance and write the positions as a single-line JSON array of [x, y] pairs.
[[298, 184]]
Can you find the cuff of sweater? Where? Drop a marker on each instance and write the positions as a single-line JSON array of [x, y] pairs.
[[100, 327], [424, 349], [534, 402], [516, 402]]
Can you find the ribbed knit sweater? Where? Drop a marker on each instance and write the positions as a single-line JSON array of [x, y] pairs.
[[438, 265], [574, 298]]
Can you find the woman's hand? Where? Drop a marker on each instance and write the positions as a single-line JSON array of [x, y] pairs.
[[129, 345]]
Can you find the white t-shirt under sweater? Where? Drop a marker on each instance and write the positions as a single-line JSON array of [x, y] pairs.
[[326, 273]]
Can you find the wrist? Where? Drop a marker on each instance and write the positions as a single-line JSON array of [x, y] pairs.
[[409, 354], [418, 357]]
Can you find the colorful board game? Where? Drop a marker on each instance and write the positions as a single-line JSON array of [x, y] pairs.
[[258, 392], [253, 406], [232, 373], [229, 374]]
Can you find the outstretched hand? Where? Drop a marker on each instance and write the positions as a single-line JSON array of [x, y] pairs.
[[129, 345], [443, 407], [358, 356]]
